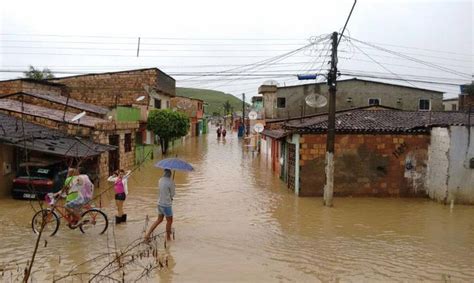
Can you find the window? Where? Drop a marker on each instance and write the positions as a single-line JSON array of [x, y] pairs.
[[128, 142], [453, 107], [157, 103], [374, 101], [424, 104], [281, 102]]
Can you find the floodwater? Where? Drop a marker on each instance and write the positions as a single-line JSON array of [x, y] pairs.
[[235, 221]]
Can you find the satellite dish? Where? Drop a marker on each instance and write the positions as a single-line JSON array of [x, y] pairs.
[[140, 98], [110, 117], [271, 82], [253, 115], [78, 116], [316, 100], [258, 127]]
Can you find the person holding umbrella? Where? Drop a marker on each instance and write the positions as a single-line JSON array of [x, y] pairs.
[[167, 188]]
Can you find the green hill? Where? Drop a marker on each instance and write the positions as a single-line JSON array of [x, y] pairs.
[[214, 98]]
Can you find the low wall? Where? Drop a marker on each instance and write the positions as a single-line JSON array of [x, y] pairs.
[[450, 177]]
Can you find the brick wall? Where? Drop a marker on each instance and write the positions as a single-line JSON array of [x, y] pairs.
[[466, 102], [371, 165], [127, 86], [14, 86]]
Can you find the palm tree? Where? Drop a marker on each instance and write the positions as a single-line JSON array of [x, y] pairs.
[[37, 74]]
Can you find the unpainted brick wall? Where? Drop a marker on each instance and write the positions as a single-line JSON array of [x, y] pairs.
[[366, 164]]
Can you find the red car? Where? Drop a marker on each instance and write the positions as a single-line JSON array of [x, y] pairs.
[[36, 179]]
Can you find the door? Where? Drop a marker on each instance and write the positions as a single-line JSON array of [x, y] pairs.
[[114, 155], [291, 166]]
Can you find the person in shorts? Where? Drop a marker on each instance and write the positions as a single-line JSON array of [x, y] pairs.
[[167, 191], [120, 179]]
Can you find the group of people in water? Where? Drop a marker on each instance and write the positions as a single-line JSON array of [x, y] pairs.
[[221, 132], [78, 191]]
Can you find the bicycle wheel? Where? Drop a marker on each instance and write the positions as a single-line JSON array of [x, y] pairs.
[[94, 221], [51, 222]]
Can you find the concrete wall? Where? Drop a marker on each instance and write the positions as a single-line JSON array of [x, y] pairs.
[[7, 169], [449, 176], [451, 105], [359, 93], [365, 165]]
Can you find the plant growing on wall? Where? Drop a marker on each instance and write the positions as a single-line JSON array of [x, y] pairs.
[[37, 74], [168, 125]]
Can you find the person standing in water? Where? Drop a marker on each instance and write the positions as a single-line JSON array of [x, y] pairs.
[[120, 179], [166, 194]]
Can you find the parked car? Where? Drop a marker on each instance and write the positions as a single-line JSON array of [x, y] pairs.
[[40, 179]]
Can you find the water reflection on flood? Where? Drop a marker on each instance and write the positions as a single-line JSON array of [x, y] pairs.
[[236, 221]]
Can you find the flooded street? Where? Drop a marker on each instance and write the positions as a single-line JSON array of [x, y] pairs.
[[236, 221]]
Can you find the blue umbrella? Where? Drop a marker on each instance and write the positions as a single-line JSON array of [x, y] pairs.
[[174, 164]]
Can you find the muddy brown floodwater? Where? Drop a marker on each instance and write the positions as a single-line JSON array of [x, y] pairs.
[[236, 221]]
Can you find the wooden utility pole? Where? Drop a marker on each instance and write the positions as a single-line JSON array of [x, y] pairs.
[[331, 133]]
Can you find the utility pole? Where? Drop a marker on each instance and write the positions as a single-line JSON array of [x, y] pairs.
[[331, 133]]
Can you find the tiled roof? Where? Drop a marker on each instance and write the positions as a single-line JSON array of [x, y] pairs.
[[71, 102], [15, 132], [382, 121], [276, 134], [51, 114]]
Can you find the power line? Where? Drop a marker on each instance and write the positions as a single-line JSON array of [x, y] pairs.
[[412, 59]]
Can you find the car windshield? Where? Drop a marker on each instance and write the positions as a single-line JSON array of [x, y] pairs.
[[37, 172]]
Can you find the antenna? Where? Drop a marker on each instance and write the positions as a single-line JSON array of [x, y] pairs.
[[78, 116], [316, 100]]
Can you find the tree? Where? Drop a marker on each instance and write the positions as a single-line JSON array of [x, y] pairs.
[[227, 106], [168, 125], [469, 89], [37, 74]]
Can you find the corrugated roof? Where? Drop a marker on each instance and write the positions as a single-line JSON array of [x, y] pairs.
[[51, 114], [64, 101], [15, 132], [382, 121]]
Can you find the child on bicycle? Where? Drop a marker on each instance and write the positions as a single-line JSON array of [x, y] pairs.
[[79, 190]]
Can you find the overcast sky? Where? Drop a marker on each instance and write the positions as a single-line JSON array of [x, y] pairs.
[[185, 38]]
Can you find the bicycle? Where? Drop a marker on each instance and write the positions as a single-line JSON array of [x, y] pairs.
[[93, 220]]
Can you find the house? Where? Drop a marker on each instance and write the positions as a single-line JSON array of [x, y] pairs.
[[289, 101], [193, 108], [451, 104], [131, 94], [378, 152], [124, 96], [18, 136], [121, 135]]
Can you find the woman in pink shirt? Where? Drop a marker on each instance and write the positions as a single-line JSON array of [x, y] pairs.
[[121, 190]]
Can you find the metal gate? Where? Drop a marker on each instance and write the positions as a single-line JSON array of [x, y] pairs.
[[291, 166]]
